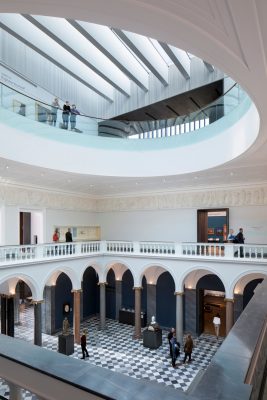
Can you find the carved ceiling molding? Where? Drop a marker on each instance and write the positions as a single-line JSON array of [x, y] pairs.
[[29, 197], [231, 197]]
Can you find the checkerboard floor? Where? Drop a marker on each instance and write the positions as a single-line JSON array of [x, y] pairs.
[[115, 349]]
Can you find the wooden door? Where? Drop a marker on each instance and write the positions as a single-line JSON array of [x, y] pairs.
[[25, 227]]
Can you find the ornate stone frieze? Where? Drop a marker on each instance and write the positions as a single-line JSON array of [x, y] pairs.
[[29, 197], [230, 197]]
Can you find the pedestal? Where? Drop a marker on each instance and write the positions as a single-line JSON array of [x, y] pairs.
[[66, 344], [152, 339]]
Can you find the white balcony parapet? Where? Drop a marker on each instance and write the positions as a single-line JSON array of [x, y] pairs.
[[52, 251]]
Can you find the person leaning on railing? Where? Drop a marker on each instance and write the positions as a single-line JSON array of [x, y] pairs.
[[239, 238]]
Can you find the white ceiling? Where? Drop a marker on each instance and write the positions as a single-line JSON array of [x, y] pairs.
[[230, 35]]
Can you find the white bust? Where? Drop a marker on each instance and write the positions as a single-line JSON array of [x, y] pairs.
[[153, 320]]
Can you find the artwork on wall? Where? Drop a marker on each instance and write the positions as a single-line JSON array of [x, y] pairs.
[[219, 231], [80, 233], [210, 231], [19, 107]]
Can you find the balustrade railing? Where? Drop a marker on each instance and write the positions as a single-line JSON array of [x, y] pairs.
[[50, 251]]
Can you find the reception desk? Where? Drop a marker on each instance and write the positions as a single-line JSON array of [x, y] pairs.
[[152, 339], [127, 317]]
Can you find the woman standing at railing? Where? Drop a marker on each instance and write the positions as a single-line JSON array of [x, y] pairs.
[[66, 115], [53, 113]]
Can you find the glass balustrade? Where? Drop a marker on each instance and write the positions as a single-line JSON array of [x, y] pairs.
[[33, 109]]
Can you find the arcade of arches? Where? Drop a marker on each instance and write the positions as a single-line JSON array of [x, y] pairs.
[[189, 311]]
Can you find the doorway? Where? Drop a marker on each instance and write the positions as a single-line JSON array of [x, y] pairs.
[[31, 230], [212, 225], [210, 302], [24, 228]]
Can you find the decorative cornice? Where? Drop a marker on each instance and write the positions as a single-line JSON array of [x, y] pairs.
[[205, 198], [31, 197], [230, 197]]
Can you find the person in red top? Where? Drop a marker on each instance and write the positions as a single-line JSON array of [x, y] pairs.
[[56, 236], [83, 345]]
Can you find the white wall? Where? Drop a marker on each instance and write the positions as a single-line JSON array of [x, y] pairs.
[[37, 226], [11, 225], [162, 225], [56, 218], [179, 225]]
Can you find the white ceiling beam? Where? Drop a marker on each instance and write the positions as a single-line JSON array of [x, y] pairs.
[[75, 43], [209, 67], [110, 45], [179, 58], [24, 31], [146, 52]]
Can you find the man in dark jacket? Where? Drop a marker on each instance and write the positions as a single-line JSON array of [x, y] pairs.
[[240, 239]]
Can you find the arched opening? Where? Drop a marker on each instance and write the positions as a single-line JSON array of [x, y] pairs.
[[63, 300], [210, 294], [90, 292], [249, 291], [166, 309], [111, 295], [127, 290]]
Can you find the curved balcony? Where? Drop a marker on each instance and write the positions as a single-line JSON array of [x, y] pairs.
[[217, 134]]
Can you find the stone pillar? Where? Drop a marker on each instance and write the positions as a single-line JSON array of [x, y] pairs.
[[179, 317], [151, 301], [190, 307], [238, 306], [10, 315], [137, 313], [3, 314], [102, 305], [48, 310], [76, 314], [37, 322], [118, 288], [16, 306], [15, 392], [229, 315]]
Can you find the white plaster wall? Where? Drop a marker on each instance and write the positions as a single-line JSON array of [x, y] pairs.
[[10, 225], [64, 218], [178, 225], [159, 225]]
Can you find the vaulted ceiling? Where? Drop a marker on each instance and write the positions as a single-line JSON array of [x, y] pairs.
[[230, 35]]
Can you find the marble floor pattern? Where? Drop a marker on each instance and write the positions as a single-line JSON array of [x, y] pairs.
[[115, 349]]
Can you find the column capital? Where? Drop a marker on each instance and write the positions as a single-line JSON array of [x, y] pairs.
[[10, 296], [229, 300], [137, 288], [76, 291], [179, 293], [34, 302], [102, 283]]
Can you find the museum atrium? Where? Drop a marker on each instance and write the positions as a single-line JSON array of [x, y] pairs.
[[158, 154]]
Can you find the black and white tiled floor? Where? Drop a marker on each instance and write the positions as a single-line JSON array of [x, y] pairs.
[[115, 349]]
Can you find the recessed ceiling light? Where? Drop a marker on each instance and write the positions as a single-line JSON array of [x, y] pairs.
[[195, 177], [231, 174], [7, 166]]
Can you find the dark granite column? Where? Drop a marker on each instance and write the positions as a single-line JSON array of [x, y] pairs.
[[238, 306], [137, 313], [15, 392], [229, 315], [38, 322], [151, 301], [179, 317], [48, 310], [102, 305], [76, 314], [118, 297], [10, 316], [3, 314], [190, 307], [16, 306]]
